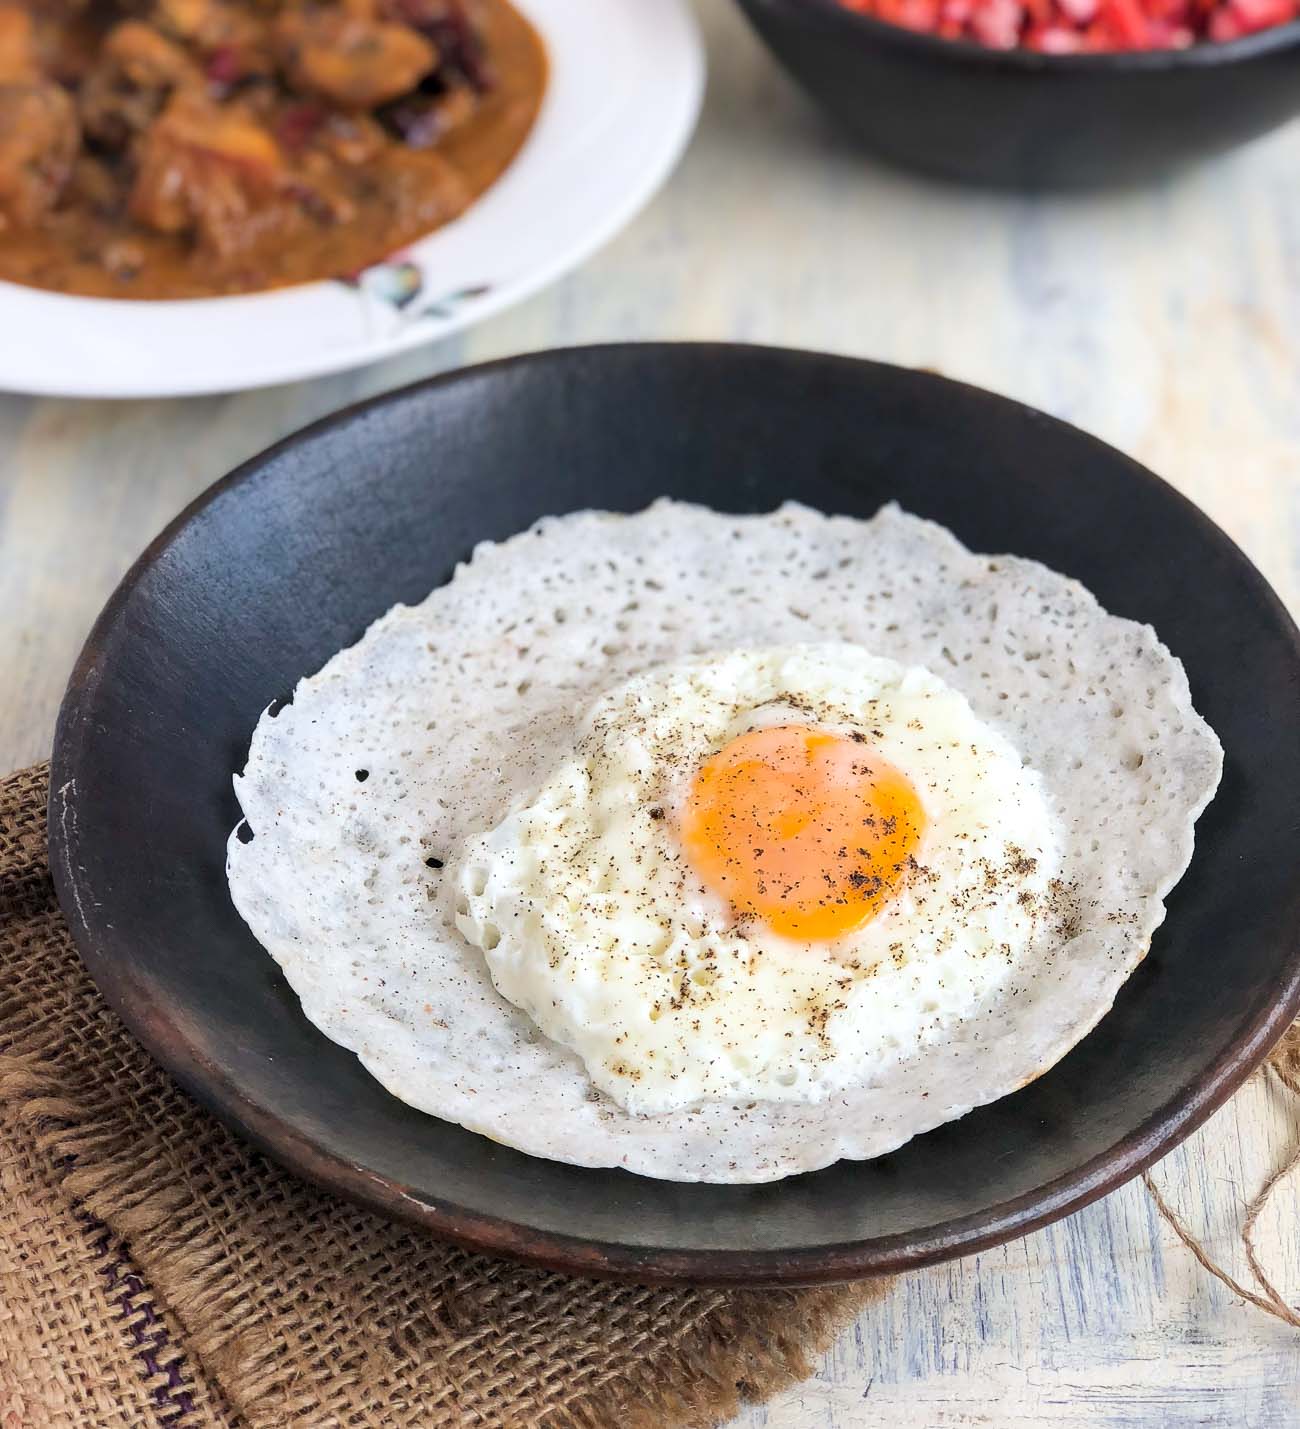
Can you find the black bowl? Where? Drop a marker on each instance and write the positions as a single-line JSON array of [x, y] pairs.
[[290, 558], [1024, 120]]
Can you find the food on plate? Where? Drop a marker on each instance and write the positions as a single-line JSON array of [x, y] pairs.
[[185, 148], [1065, 27], [722, 848]]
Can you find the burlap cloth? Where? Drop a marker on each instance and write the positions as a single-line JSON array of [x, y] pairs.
[[153, 1269]]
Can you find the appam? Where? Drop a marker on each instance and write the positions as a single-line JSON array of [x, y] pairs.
[[446, 714]]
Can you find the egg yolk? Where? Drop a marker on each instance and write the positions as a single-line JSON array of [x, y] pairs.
[[809, 832]]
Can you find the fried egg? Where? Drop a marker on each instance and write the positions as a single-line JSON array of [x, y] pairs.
[[442, 831], [760, 874]]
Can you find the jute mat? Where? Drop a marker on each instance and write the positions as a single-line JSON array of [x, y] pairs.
[[154, 1270]]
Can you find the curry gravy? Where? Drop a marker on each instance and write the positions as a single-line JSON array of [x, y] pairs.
[[81, 248]]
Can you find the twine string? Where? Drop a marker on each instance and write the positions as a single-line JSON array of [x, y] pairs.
[[1284, 1064]]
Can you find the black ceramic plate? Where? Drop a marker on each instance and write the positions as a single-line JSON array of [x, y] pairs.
[[290, 558]]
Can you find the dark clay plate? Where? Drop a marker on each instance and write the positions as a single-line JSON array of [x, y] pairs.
[[292, 556]]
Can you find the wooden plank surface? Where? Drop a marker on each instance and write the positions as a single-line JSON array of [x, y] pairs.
[[1166, 321]]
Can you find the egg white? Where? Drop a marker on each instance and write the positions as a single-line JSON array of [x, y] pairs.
[[594, 923]]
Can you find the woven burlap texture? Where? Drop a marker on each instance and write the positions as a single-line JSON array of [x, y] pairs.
[[153, 1269]]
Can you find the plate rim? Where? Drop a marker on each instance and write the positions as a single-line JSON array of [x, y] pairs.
[[500, 296], [1170, 1124]]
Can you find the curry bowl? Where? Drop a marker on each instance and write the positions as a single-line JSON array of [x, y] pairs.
[[291, 557], [622, 90]]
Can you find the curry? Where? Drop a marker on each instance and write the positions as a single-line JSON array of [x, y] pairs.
[[189, 148]]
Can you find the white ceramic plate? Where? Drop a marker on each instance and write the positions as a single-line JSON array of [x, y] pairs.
[[625, 85]]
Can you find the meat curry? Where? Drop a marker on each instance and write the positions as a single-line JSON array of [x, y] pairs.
[[186, 148]]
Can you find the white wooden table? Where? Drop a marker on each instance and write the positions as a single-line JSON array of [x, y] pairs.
[[1167, 322]]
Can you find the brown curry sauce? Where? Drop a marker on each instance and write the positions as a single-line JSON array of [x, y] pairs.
[[260, 183]]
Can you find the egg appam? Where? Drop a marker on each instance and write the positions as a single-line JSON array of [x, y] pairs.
[[367, 799]]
